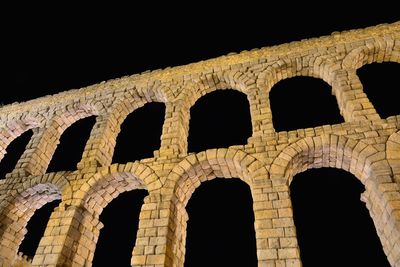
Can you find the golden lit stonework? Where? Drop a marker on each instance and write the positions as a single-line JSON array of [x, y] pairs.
[[365, 145]]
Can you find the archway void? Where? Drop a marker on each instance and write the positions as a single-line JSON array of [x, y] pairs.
[[36, 227], [220, 230], [303, 102], [219, 119], [333, 225], [72, 144], [117, 237], [140, 133], [14, 151], [381, 84]]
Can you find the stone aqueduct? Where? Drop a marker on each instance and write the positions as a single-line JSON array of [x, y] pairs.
[[365, 145]]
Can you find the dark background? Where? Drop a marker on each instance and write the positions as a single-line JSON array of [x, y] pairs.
[[51, 49]]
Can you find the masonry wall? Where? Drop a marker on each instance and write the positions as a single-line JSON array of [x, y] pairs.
[[365, 145]]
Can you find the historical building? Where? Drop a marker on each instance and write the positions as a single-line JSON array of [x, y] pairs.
[[365, 145]]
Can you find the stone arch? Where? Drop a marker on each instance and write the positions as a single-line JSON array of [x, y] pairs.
[[192, 90], [58, 180], [104, 186], [357, 105], [70, 114], [19, 209], [106, 130], [374, 50], [147, 91], [364, 161], [212, 163], [229, 79], [187, 175], [320, 67], [108, 126], [99, 190], [43, 144], [329, 150], [14, 129]]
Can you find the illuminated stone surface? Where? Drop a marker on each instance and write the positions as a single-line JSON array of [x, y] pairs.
[[365, 145]]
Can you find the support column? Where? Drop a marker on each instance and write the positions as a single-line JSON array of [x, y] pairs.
[[261, 119], [383, 203], [261, 115], [9, 242], [99, 148], [353, 103], [274, 225], [38, 152], [70, 238], [175, 129], [154, 245]]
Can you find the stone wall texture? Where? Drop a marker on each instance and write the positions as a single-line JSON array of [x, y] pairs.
[[364, 145]]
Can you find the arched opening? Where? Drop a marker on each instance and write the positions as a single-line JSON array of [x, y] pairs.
[[380, 83], [140, 133], [18, 212], [72, 144], [117, 237], [333, 225], [303, 102], [36, 227], [219, 119], [13, 152], [220, 230]]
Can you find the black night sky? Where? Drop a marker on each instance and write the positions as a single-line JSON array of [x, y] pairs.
[[45, 52]]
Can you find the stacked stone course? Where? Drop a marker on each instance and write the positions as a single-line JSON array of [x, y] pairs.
[[366, 145]]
